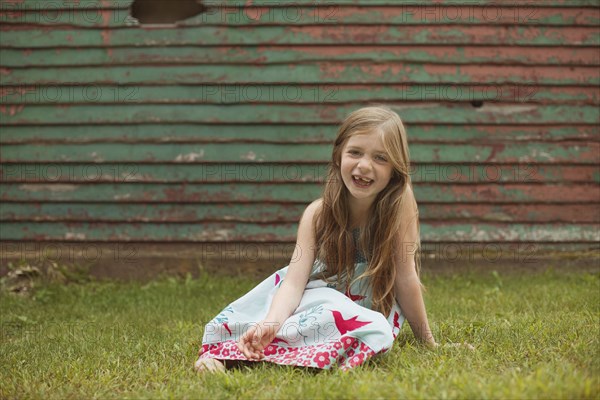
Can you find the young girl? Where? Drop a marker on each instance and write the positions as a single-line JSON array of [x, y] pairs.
[[354, 274]]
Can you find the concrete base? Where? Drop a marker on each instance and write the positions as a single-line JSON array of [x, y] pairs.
[[145, 261]]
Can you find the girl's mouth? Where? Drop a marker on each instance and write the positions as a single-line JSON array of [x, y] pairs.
[[360, 182]]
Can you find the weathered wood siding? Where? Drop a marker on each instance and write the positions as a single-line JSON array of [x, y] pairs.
[[219, 128]]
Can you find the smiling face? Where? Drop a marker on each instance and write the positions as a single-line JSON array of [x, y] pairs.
[[364, 156]]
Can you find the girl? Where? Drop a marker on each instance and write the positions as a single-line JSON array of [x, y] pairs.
[[354, 274]]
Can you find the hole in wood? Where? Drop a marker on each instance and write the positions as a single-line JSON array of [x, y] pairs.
[[477, 103], [165, 11]]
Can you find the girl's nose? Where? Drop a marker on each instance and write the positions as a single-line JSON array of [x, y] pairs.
[[364, 164]]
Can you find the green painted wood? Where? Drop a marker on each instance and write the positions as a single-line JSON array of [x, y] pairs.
[[546, 3], [313, 73], [296, 94], [326, 13], [547, 193], [291, 133], [171, 173], [258, 55], [398, 14], [510, 232], [232, 232], [208, 232], [517, 213], [125, 4], [23, 5], [287, 192], [277, 213], [580, 152], [276, 172], [439, 113], [69, 16], [303, 35]]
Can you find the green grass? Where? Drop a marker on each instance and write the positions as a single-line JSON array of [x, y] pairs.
[[536, 336]]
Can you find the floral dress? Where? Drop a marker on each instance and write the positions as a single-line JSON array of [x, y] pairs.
[[329, 328]]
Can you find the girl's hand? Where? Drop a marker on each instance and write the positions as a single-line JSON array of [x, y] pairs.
[[253, 342]]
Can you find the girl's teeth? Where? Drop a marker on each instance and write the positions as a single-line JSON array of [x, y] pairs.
[[361, 181]]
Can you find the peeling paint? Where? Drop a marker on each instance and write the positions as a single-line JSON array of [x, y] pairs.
[[332, 71], [416, 106], [20, 91], [250, 156], [505, 110], [96, 157], [56, 188], [214, 235], [106, 33], [75, 236], [190, 157], [542, 155], [11, 110]]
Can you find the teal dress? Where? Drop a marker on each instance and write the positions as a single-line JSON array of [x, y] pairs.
[[329, 328]]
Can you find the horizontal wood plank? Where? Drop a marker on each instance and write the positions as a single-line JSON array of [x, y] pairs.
[[266, 54], [289, 133], [235, 232], [288, 192], [498, 35], [316, 73], [439, 113], [284, 172], [278, 213], [126, 4], [44, 94], [312, 14], [564, 152]]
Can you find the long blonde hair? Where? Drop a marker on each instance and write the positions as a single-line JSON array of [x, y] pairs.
[[379, 240]]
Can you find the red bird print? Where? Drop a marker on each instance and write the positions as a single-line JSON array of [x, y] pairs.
[[227, 327], [277, 340], [347, 325], [277, 279], [396, 320], [396, 323], [354, 297]]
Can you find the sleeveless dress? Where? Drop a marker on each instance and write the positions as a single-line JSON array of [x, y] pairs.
[[329, 328]]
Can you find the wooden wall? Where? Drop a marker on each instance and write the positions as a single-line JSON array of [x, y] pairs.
[[218, 129]]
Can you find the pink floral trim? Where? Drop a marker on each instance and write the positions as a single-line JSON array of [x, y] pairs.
[[348, 352]]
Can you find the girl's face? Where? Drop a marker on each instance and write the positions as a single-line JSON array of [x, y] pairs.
[[364, 156]]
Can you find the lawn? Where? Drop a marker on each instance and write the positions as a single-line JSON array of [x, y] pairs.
[[536, 336]]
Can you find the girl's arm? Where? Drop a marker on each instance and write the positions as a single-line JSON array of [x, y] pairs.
[[288, 296], [408, 285]]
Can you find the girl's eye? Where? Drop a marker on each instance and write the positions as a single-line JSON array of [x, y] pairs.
[[382, 158]]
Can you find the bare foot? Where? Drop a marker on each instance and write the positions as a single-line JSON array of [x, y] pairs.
[[209, 365]]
